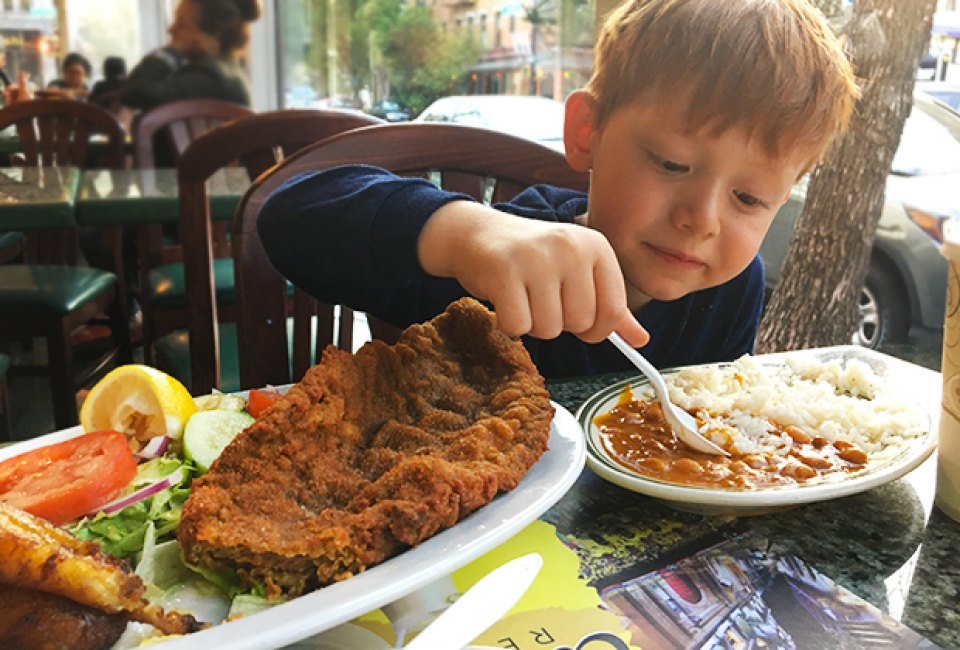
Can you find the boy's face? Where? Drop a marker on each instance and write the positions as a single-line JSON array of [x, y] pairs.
[[683, 210]]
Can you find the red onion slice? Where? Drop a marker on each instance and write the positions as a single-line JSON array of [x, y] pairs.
[[154, 448], [115, 506]]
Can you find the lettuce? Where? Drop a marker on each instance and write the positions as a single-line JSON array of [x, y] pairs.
[[123, 534]]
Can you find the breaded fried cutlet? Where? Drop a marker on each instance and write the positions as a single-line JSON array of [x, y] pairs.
[[370, 454]]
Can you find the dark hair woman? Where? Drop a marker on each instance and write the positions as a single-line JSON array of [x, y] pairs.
[[202, 59]]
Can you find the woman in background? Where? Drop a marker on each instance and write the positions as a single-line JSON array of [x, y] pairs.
[[201, 61]]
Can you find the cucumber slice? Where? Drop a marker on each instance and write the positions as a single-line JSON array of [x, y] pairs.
[[208, 433]]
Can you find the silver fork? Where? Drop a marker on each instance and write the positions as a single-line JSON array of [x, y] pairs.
[[682, 423]]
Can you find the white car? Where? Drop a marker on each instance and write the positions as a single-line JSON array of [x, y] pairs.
[[535, 118]]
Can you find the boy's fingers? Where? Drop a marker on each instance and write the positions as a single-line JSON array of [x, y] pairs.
[[546, 311], [579, 303], [632, 331], [513, 312]]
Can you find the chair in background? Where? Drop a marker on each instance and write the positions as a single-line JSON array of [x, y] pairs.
[[178, 124], [488, 165], [56, 132], [49, 296], [160, 136], [257, 143]]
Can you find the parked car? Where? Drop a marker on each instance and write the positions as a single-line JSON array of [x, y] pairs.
[[928, 66], [946, 92], [906, 283], [536, 118], [390, 111]]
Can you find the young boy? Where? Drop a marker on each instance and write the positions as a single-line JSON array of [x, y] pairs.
[[698, 119]]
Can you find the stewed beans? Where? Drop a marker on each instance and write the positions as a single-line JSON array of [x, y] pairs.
[[637, 437]]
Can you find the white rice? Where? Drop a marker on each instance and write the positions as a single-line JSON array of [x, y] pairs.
[[836, 399]]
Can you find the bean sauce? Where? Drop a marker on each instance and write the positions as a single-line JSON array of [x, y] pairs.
[[636, 436]]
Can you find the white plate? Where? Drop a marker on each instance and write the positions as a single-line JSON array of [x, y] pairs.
[[913, 382], [546, 482]]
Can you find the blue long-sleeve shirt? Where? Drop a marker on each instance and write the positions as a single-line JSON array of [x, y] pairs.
[[348, 236]]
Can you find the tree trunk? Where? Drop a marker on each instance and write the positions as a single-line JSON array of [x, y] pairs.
[[815, 302]]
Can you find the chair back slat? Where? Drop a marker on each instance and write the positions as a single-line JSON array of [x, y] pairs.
[[305, 309], [504, 190], [466, 183], [76, 134], [29, 145], [47, 126], [180, 136], [255, 140], [488, 165]]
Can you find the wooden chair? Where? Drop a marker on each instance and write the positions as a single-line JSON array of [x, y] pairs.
[[257, 143], [49, 296], [56, 132], [179, 124], [160, 137], [488, 165]]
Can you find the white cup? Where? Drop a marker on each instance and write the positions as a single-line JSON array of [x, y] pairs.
[[948, 451]]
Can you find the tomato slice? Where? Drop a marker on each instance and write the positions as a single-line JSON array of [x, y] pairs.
[[259, 399], [66, 480]]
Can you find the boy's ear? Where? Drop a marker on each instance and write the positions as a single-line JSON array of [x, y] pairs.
[[578, 130]]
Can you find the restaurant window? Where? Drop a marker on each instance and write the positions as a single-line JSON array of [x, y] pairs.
[[344, 55], [88, 36]]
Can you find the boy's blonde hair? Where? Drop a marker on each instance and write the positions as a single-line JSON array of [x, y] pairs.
[[773, 67]]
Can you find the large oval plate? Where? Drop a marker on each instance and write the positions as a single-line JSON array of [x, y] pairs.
[[913, 382], [542, 486]]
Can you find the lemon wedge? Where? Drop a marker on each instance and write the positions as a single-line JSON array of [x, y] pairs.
[[140, 401]]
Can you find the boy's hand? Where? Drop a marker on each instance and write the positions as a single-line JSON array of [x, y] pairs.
[[542, 278]]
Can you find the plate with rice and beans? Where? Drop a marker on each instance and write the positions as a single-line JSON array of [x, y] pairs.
[[799, 427]]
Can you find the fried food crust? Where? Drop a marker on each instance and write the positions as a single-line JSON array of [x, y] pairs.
[[34, 620], [370, 454], [35, 554]]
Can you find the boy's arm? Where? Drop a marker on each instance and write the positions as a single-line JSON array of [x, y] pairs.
[[348, 236], [360, 236]]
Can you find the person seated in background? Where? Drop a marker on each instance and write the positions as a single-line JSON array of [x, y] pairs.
[[114, 74], [202, 60], [76, 70], [698, 119]]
